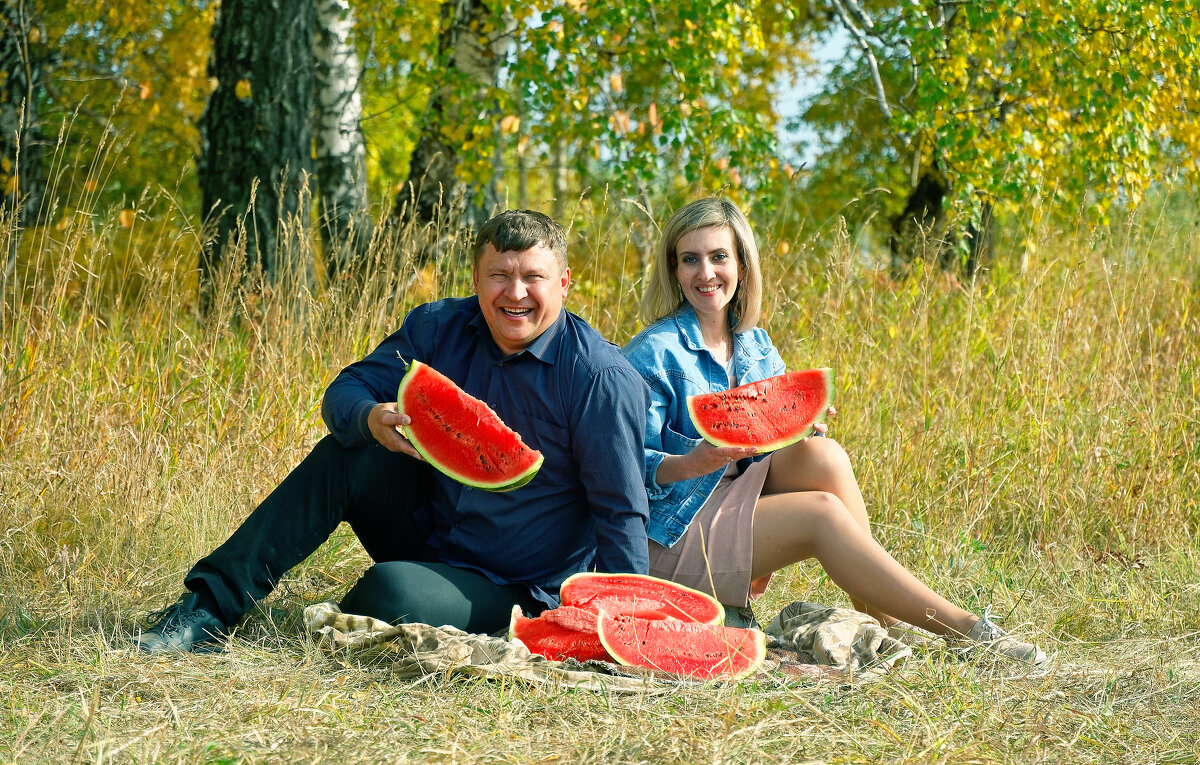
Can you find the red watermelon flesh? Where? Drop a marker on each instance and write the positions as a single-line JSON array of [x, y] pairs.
[[573, 618], [460, 435], [547, 637], [703, 651], [768, 415], [643, 596]]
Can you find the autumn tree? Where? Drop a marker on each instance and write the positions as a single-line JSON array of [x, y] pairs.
[[1003, 102], [642, 98], [257, 138], [654, 97], [459, 121], [120, 79]]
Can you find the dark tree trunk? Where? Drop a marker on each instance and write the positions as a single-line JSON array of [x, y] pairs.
[[22, 183], [341, 154], [256, 142], [459, 109], [925, 231]]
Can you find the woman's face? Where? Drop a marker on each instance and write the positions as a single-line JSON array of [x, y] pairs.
[[707, 270]]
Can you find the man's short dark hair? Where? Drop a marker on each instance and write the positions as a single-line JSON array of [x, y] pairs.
[[520, 230]]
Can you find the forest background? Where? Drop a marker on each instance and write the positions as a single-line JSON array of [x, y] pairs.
[[983, 215]]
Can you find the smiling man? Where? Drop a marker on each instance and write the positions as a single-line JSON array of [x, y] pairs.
[[445, 553]]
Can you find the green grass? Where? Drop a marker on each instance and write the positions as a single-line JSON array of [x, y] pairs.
[[1030, 442]]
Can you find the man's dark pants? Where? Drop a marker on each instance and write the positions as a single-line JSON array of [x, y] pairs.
[[378, 493]]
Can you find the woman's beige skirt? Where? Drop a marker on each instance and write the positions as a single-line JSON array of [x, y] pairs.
[[715, 554]]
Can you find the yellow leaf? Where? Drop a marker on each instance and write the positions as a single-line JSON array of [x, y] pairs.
[[620, 121], [90, 185], [145, 90], [616, 81], [126, 218], [243, 89], [510, 124]]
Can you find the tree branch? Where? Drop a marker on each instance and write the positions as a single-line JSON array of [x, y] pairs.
[[853, 26]]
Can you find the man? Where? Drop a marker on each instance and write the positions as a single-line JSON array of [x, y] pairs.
[[446, 553]]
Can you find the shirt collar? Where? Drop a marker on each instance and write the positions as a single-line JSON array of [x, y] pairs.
[[689, 327], [544, 348]]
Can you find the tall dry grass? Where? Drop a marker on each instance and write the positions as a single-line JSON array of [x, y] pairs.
[[1028, 441]]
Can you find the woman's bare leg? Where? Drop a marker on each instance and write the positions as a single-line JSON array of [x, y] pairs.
[[817, 464], [816, 524], [821, 464]]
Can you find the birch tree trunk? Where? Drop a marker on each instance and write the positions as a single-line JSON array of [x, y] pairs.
[[459, 110], [341, 154], [256, 144]]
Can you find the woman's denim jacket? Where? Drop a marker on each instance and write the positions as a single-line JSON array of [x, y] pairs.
[[671, 356]]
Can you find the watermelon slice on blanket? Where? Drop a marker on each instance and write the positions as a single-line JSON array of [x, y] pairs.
[[767, 415], [643, 596], [558, 639], [460, 435], [702, 651], [655, 624]]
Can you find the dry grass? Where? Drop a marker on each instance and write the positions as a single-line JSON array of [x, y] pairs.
[[1030, 442]]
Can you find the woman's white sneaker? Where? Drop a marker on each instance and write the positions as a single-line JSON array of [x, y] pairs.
[[987, 635]]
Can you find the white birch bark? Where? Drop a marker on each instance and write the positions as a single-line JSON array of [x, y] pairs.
[[341, 155]]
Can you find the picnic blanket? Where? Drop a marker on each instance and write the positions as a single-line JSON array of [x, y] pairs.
[[805, 640]]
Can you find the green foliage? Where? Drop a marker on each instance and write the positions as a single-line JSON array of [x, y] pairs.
[[1079, 103], [131, 74]]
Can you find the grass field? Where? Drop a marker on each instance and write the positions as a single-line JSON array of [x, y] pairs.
[[1030, 441]]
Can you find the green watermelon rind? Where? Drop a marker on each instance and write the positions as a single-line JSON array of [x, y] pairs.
[[636, 655], [765, 447], [509, 483], [575, 581]]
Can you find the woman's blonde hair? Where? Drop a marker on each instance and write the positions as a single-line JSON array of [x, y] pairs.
[[663, 294]]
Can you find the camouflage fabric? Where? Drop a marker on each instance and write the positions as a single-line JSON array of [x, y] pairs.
[[805, 641]]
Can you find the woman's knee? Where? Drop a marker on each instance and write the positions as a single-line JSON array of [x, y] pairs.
[[828, 455]]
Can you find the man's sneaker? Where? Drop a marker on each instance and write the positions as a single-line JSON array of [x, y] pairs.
[[988, 635], [183, 626]]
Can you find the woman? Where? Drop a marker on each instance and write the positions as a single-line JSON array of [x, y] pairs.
[[722, 519]]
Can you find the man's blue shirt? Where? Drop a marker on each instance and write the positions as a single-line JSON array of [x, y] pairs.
[[572, 396]]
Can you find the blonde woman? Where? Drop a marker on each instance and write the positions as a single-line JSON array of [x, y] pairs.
[[723, 519]]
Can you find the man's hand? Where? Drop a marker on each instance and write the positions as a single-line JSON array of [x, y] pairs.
[[384, 422]]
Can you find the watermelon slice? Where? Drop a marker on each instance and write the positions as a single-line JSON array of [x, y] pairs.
[[704, 651], [460, 435], [643, 596], [549, 637], [768, 415], [653, 623]]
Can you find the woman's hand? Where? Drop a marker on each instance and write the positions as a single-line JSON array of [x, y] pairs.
[[701, 460], [705, 458], [821, 428], [384, 423]]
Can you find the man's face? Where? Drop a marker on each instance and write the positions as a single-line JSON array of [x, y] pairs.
[[521, 294]]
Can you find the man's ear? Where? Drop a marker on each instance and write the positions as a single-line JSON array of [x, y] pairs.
[[566, 281], [475, 279]]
